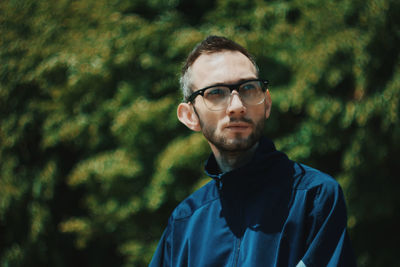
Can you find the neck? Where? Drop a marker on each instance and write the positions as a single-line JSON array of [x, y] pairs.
[[230, 160]]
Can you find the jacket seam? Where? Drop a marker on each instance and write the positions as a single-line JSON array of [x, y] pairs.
[[201, 206]]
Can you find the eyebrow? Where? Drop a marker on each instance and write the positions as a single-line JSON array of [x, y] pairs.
[[238, 81]]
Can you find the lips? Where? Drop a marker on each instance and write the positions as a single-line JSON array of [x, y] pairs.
[[238, 126]]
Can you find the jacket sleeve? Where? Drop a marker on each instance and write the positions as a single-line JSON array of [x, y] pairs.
[[328, 243], [162, 255]]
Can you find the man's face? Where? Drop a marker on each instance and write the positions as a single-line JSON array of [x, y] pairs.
[[237, 127]]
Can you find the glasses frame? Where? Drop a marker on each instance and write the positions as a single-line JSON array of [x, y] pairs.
[[231, 87]]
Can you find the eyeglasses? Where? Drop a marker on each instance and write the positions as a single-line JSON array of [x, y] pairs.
[[217, 97]]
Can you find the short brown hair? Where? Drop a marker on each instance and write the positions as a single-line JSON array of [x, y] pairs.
[[212, 44]]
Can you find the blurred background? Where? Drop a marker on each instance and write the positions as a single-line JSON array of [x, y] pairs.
[[93, 159]]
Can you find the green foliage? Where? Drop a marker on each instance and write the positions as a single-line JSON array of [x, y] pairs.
[[93, 159]]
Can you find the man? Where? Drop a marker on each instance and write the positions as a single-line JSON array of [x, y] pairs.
[[260, 209]]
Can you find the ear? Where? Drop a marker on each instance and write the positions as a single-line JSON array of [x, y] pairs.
[[268, 103], [187, 116]]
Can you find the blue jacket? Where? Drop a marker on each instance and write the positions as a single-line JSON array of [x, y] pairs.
[[270, 212]]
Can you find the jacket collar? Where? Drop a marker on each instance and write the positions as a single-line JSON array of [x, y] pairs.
[[267, 165]]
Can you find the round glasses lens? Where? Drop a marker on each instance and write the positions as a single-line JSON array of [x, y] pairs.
[[216, 98], [252, 92]]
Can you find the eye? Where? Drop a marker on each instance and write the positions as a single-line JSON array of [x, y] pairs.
[[249, 89], [249, 86], [216, 92]]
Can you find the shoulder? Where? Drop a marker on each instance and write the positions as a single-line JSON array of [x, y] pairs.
[[199, 199], [321, 193], [308, 178]]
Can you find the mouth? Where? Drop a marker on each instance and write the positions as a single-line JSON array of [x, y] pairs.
[[238, 126]]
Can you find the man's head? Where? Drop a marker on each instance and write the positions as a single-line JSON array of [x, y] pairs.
[[212, 44], [236, 122]]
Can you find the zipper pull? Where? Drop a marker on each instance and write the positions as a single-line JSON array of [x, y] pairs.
[[219, 182]]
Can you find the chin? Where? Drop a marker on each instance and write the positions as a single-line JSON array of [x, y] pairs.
[[235, 144]]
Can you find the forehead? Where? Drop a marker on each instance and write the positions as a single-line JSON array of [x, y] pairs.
[[221, 67]]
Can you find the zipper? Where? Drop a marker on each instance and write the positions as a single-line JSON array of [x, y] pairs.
[[237, 251], [239, 240], [241, 235]]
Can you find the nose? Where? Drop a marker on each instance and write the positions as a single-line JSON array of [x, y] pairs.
[[235, 104]]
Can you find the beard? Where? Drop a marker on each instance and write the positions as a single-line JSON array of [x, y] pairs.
[[238, 142]]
